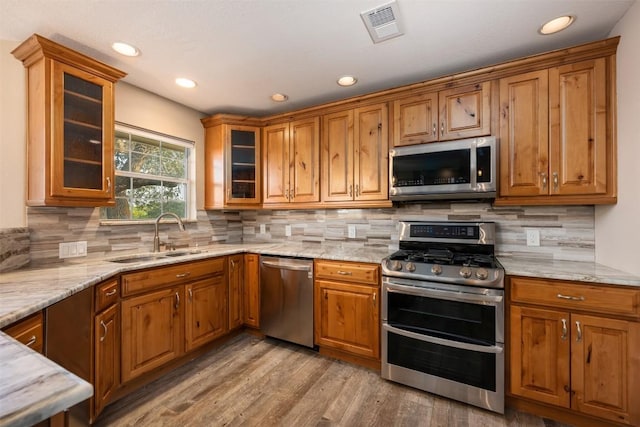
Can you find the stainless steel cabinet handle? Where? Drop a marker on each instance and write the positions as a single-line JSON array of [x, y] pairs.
[[374, 299], [564, 330], [442, 129], [579, 329], [108, 184], [544, 180], [32, 341], [233, 264], [293, 194], [350, 190], [104, 327], [182, 275], [357, 190], [111, 293], [177, 301], [345, 273], [286, 194], [434, 129], [571, 298], [190, 295], [555, 181], [229, 193], [287, 266]]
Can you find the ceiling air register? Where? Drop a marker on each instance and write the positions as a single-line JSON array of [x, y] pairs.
[[382, 22]]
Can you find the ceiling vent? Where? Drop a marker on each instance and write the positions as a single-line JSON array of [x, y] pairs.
[[383, 22]]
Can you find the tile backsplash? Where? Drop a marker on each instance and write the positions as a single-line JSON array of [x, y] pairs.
[[14, 248], [566, 232]]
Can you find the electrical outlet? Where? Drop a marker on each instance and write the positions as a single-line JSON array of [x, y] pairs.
[[287, 230], [533, 238], [263, 229], [351, 231]]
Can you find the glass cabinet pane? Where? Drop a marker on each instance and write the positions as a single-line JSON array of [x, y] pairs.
[[243, 164], [83, 132]]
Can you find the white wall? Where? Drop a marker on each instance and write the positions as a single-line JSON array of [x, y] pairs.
[[134, 106], [618, 226], [13, 113]]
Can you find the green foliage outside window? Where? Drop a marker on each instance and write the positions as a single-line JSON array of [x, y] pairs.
[[151, 177]]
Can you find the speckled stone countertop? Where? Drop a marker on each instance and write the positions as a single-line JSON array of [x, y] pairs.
[[25, 291]]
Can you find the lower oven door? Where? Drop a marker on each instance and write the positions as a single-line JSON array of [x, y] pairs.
[[444, 342]]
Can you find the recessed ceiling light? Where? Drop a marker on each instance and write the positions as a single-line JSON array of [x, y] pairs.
[[557, 24], [125, 49], [347, 81], [279, 97], [184, 82]]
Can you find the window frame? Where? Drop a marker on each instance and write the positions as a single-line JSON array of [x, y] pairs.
[[189, 180]]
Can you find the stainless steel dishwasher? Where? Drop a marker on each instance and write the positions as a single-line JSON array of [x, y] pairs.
[[286, 299]]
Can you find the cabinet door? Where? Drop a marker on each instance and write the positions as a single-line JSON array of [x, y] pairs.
[[578, 128], [275, 155], [415, 119], [305, 161], [524, 134], [251, 291], [107, 357], [465, 112], [236, 277], [337, 157], [206, 311], [371, 153], [151, 331], [243, 165], [605, 368], [539, 355], [346, 318], [82, 132]]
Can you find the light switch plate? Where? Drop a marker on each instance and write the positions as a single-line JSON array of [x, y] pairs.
[[287, 230], [351, 231], [533, 238], [72, 249]]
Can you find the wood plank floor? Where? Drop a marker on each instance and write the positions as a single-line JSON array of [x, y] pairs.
[[254, 382]]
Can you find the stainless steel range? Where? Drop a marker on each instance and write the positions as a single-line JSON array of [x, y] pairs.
[[443, 312]]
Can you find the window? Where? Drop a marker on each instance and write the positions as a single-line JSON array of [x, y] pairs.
[[152, 175]]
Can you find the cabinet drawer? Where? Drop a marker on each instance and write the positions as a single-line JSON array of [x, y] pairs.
[[140, 281], [107, 293], [28, 332], [571, 295], [348, 272]]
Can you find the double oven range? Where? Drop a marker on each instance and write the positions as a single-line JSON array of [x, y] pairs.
[[443, 312]]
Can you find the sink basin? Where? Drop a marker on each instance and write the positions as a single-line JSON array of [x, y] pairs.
[[181, 253], [151, 257]]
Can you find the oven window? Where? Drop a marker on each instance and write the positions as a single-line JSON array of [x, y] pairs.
[[452, 320], [483, 160], [455, 364], [437, 168]]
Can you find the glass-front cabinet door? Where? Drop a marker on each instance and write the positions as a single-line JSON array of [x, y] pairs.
[[243, 165], [82, 154]]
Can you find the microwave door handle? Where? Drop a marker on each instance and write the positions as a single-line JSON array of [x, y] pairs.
[[447, 295], [474, 166], [441, 341]]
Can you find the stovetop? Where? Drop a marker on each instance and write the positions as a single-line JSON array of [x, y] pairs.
[[445, 257]]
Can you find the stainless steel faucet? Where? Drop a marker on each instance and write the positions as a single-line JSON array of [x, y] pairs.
[[156, 238]]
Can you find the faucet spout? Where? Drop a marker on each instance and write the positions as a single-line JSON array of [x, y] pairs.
[[156, 238]]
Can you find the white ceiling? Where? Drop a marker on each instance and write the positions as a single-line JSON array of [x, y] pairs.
[[242, 51]]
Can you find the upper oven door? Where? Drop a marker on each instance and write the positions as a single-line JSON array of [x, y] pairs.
[[448, 314], [458, 169]]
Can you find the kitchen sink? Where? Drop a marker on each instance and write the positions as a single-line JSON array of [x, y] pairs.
[[152, 257]]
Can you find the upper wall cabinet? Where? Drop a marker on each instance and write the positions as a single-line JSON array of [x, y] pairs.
[[70, 125], [556, 135], [456, 113], [232, 162], [355, 155], [291, 159]]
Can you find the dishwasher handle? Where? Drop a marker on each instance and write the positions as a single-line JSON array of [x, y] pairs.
[[293, 267]]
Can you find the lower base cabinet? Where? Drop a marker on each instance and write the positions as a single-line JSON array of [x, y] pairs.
[[577, 347], [107, 357], [251, 291], [346, 308], [205, 311]]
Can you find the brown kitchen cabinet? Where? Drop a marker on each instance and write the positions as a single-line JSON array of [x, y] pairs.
[[70, 125], [251, 291], [455, 113], [107, 357], [347, 311], [355, 155], [576, 346], [291, 159], [232, 162], [167, 311], [28, 331], [236, 278], [556, 139]]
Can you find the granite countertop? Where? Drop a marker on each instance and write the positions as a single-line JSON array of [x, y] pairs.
[[24, 400]]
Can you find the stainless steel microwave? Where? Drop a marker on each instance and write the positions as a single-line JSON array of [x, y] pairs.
[[463, 169]]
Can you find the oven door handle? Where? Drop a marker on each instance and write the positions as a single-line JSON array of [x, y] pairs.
[[443, 294], [440, 341]]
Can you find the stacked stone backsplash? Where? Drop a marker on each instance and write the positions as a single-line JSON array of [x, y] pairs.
[[50, 226], [566, 232], [14, 248]]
